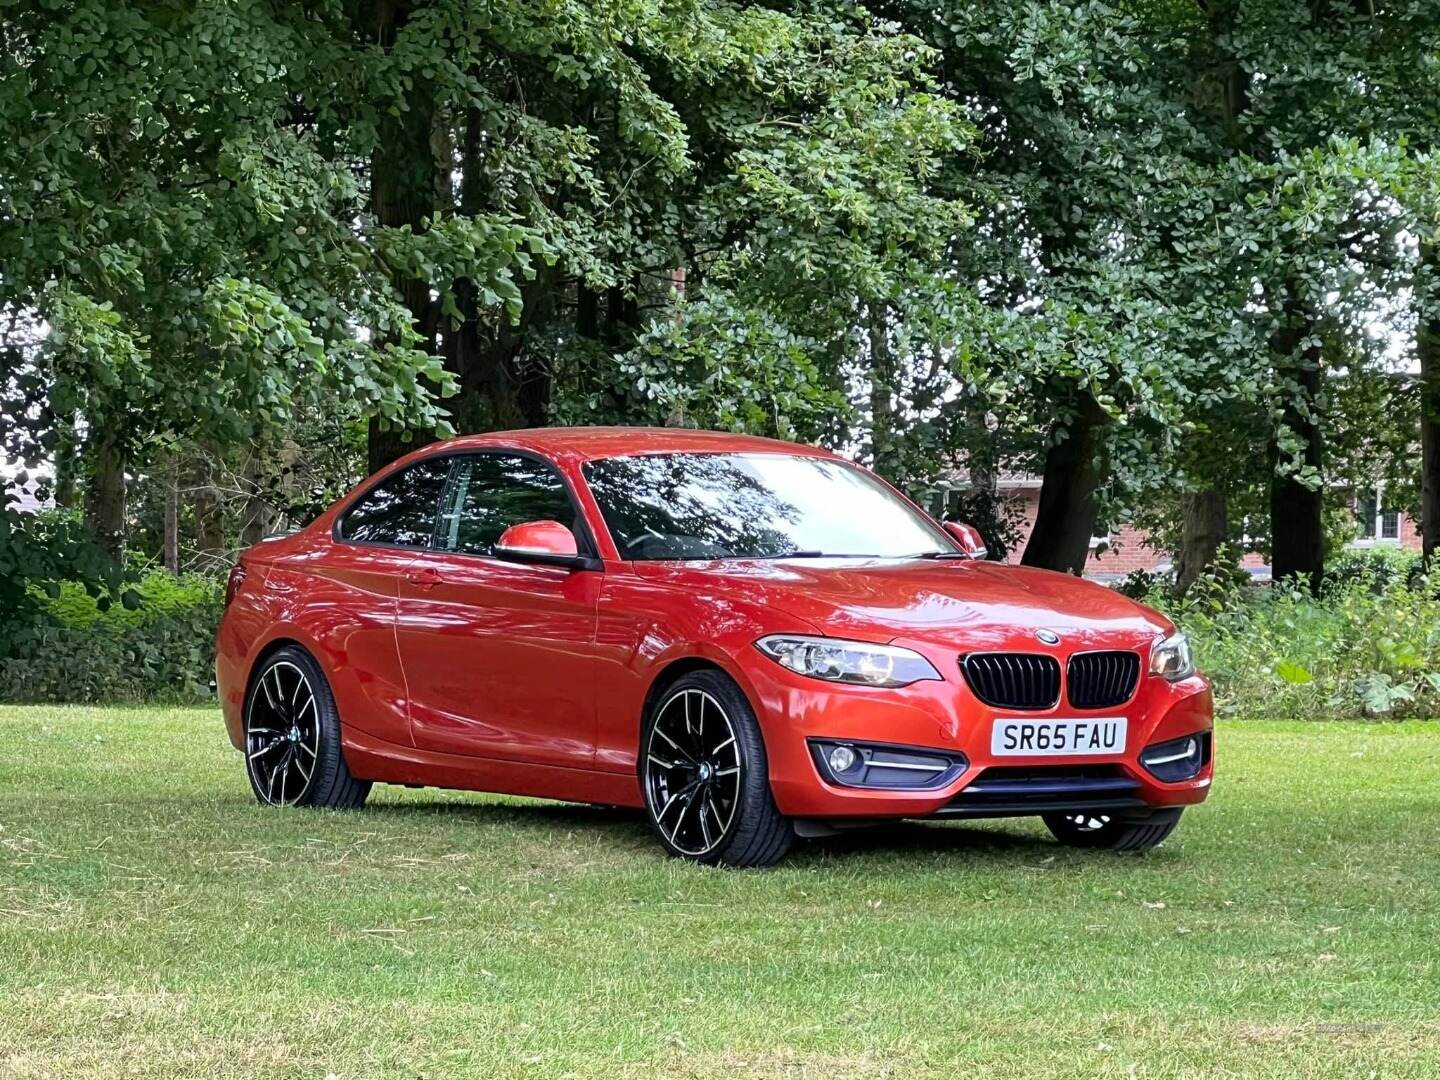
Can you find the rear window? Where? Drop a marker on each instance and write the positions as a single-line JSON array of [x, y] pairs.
[[400, 511]]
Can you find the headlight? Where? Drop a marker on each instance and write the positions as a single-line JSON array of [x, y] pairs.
[[1170, 658], [847, 661]]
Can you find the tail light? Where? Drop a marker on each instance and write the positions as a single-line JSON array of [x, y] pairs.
[[236, 579]]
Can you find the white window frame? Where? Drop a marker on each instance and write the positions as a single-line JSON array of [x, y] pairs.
[[1377, 537]]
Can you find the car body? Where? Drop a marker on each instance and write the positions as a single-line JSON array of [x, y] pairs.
[[533, 663]]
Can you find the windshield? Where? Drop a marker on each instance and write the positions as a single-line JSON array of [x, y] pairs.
[[754, 506]]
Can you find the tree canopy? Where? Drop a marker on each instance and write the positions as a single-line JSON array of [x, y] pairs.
[[1175, 258]]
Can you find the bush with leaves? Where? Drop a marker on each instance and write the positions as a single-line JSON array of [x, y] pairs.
[[39, 552], [78, 647], [1367, 648]]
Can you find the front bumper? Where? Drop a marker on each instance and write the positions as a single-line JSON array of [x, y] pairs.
[[795, 712]]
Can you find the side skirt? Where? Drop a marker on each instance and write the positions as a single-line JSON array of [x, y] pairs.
[[384, 762]]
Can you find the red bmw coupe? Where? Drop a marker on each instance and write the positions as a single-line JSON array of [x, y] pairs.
[[751, 640]]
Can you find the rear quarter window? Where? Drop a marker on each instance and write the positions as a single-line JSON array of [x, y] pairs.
[[401, 510]]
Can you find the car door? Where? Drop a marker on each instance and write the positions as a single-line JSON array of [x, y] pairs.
[[351, 597], [499, 656]]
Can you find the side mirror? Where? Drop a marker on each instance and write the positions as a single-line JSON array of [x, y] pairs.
[[969, 539], [544, 543]]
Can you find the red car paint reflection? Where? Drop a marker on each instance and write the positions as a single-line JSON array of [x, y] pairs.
[[751, 640]]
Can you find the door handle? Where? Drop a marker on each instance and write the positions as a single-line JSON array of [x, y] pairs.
[[427, 577]]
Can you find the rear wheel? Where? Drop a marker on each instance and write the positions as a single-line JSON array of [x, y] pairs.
[[292, 736], [1122, 832], [706, 778]]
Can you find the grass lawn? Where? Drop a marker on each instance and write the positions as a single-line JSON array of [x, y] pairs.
[[154, 921]]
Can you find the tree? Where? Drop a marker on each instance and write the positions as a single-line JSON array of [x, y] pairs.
[[175, 216]]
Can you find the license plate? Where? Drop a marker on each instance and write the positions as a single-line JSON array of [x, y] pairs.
[[1076, 738]]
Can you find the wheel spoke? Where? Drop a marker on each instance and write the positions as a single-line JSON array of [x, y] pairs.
[[666, 808], [705, 826], [680, 817], [674, 745]]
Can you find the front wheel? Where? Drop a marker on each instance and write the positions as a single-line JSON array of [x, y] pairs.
[[706, 779], [292, 736], [1126, 832]]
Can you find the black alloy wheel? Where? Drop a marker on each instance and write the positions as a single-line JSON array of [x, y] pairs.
[[293, 754], [705, 778], [1129, 832]]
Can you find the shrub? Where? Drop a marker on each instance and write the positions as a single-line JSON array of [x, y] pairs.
[[1378, 568], [159, 646], [40, 551], [1369, 647]]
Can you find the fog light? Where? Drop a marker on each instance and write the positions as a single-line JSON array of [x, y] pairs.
[[1178, 759], [842, 759]]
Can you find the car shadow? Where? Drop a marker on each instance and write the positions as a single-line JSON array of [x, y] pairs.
[[900, 838], [924, 838], [547, 815]]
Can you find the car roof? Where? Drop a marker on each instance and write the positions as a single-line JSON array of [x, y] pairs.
[[588, 443]]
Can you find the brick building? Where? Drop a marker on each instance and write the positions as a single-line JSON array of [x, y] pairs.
[[1123, 550]]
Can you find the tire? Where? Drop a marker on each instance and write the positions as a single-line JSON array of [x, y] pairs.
[[686, 763], [293, 754], [1135, 833]]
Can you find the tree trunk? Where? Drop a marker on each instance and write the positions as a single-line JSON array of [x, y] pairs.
[[403, 186], [1206, 526], [981, 506], [68, 465], [209, 518], [1074, 468], [105, 497], [256, 517], [171, 545], [882, 394], [1428, 346], [1297, 510], [500, 386]]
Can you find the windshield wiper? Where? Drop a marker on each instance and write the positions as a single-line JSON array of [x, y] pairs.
[[938, 555], [801, 554]]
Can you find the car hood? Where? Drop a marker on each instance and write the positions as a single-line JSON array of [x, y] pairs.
[[953, 602]]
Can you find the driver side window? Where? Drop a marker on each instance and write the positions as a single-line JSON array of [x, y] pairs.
[[490, 492]]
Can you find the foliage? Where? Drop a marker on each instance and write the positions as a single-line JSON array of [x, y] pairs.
[[191, 248], [1369, 647], [80, 648], [41, 555]]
